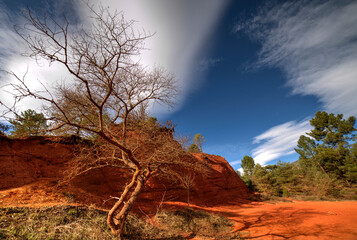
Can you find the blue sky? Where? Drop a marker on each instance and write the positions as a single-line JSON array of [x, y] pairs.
[[252, 73]]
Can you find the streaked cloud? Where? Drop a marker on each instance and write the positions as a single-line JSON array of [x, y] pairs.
[[315, 44], [181, 30], [234, 163], [36, 73], [278, 141], [11, 43]]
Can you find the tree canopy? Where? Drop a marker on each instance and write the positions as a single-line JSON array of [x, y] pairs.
[[199, 140], [248, 165], [28, 123], [332, 130], [329, 145]]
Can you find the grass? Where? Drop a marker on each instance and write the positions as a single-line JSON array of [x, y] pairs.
[[63, 222], [68, 222], [197, 223]]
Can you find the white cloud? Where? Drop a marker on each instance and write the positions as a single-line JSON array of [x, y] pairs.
[[233, 163], [39, 76], [12, 60], [315, 44], [181, 30], [278, 141]]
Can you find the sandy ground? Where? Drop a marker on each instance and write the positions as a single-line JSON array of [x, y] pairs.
[[294, 220]]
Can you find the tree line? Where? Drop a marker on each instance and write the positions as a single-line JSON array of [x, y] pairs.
[[326, 168]]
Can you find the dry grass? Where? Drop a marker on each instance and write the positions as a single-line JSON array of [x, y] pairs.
[[68, 222], [197, 224], [63, 222]]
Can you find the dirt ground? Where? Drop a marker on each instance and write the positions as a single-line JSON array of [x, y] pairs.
[[293, 220], [254, 220]]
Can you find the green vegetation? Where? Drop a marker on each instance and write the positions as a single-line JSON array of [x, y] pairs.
[[199, 140], [28, 123], [330, 147], [326, 169], [248, 165], [197, 144], [69, 222], [194, 149]]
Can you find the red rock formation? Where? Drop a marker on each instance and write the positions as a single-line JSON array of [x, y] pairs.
[[31, 160], [24, 161]]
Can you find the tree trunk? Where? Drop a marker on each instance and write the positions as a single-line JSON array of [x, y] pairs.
[[323, 170], [111, 214], [115, 220]]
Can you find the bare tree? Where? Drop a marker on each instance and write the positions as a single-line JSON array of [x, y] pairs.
[[184, 140], [107, 87], [187, 181]]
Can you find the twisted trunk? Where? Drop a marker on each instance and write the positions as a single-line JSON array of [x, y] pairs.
[[119, 212]]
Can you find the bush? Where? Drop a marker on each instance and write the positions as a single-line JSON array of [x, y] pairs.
[[194, 149]]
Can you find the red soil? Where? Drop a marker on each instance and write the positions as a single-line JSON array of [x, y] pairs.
[[30, 169], [293, 220], [318, 220]]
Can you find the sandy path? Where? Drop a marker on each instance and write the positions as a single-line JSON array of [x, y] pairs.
[[294, 220]]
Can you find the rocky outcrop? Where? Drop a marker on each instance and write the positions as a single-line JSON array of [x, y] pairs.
[[30, 160], [24, 161]]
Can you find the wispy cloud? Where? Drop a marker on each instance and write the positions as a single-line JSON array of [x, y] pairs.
[[233, 163], [181, 32], [12, 59], [278, 141], [11, 43], [315, 44]]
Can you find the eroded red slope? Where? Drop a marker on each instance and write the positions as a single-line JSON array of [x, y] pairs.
[[31, 168]]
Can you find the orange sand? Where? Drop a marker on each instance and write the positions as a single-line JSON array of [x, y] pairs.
[[294, 220]]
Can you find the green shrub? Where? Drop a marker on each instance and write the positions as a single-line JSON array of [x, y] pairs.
[[194, 149]]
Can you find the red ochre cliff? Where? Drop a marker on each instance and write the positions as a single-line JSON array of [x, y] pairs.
[[31, 168]]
